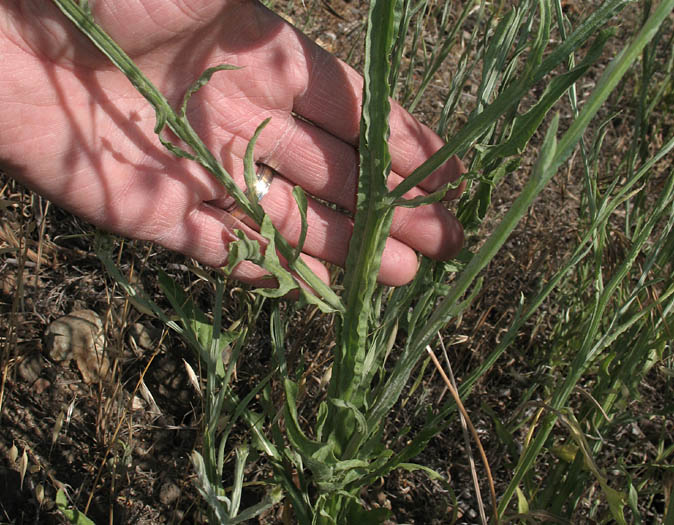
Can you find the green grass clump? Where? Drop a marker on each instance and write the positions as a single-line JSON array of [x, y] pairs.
[[614, 324]]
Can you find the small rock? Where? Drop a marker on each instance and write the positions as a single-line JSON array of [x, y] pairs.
[[30, 367], [142, 336], [79, 336], [40, 385], [169, 493], [328, 41], [137, 404]]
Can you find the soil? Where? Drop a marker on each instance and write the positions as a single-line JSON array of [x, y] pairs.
[[121, 447]]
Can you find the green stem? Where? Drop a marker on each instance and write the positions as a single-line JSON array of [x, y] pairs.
[[373, 212]]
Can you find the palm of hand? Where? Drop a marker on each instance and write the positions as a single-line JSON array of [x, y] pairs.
[[74, 129]]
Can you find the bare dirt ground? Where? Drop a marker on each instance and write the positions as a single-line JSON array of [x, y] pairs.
[[124, 454]]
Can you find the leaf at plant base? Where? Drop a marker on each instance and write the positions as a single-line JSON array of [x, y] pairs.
[[358, 514], [272, 498], [198, 328], [208, 491], [321, 417], [413, 467], [242, 452], [301, 442], [239, 409], [318, 456], [73, 515], [522, 503], [360, 418]]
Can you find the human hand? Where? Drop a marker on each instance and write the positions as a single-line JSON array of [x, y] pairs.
[[74, 129]]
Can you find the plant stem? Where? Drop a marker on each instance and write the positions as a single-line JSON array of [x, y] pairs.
[[373, 212]]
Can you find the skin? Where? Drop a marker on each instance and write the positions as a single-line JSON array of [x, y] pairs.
[[73, 129]]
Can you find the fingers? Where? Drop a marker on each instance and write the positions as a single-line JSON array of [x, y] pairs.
[[205, 233], [331, 99], [327, 167], [329, 231], [324, 166]]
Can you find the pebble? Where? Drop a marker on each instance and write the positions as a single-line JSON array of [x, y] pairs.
[[79, 335], [142, 336], [30, 367], [169, 493]]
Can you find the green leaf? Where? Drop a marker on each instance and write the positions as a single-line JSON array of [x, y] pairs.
[[103, 246], [301, 200], [242, 452], [473, 209], [414, 467], [310, 298], [358, 514], [203, 79], [522, 503], [271, 263], [274, 497], [360, 419], [423, 200], [239, 409], [250, 174], [609, 80], [305, 446], [535, 70], [208, 491], [451, 304], [177, 151], [581, 34], [526, 125], [246, 249], [198, 328], [73, 515], [322, 415]]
